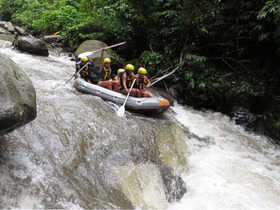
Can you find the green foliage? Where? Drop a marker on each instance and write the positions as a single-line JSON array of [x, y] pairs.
[[202, 85], [152, 61], [188, 75], [191, 84], [8, 8], [270, 11], [195, 58]]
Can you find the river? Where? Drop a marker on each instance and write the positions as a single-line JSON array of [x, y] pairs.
[[79, 154]]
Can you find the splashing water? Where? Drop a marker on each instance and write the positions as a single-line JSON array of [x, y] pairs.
[[228, 168]]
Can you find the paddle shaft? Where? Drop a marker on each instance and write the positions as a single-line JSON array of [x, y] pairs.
[[129, 91], [101, 60], [115, 45], [164, 76]]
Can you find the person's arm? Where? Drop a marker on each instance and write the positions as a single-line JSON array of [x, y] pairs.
[[133, 75], [149, 82], [116, 78], [77, 69]]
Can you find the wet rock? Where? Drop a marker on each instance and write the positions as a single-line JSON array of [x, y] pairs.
[[18, 97], [246, 100], [243, 116], [8, 26], [20, 31], [92, 45], [176, 188], [51, 38], [33, 46], [268, 126], [136, 181], [164, 94], [4, 31], [261, 116], [7, 37], [175, 90]]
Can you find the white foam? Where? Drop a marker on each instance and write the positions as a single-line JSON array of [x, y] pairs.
[[229, 168]]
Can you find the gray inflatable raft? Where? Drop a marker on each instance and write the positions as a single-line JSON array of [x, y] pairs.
[[140, 105]]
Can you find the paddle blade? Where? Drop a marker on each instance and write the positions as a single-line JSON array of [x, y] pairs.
[[121, 111], [85, 54]]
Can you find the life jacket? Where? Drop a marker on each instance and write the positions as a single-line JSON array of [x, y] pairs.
[[120, 77], [142, 83], [105, 73], [85, 72], [129, 80]]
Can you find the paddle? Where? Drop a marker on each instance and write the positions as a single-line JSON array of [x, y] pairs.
[[89, 53], [122, 108], [162, 77]]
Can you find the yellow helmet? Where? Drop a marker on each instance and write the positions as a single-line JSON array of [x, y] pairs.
[[84, 58], [129, 67], [142, 70], [107, 60], [120, 71]]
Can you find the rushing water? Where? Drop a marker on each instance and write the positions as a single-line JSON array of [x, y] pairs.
[[78, 154]]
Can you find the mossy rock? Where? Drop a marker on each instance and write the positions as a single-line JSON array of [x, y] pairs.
[[6, 37]]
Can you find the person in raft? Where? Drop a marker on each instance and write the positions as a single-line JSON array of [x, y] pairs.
[[88, 72], [118, 79], [126, 81], [105, 75], [143, 82]]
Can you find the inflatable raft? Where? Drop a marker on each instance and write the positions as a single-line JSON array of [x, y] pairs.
[[151, 105]]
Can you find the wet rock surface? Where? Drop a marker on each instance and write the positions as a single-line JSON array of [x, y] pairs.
[[33, 46], [18, 97]]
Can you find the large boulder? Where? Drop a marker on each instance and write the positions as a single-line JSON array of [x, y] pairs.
[[20, 31], [18, 96], [93, 45], [7, 37], [137, 180], [33, 46], [4, 31], [8, 26], [51, 38]]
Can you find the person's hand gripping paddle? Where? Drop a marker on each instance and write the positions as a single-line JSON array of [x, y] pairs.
[[121, 110]]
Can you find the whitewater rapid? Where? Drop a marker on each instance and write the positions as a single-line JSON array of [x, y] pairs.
[[78, 154], [229, 168]]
